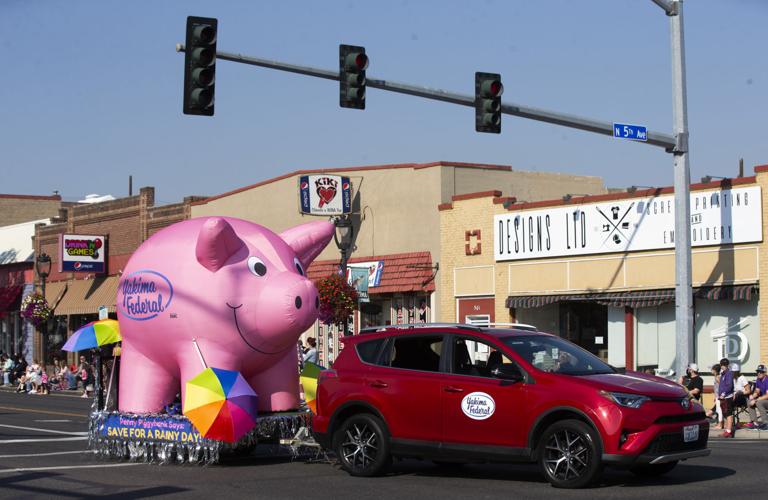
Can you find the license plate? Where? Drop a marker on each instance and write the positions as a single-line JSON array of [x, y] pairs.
[[690, 433]]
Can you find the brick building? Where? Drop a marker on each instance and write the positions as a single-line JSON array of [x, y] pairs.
[[76, 296], [17, 208], [18, 215]]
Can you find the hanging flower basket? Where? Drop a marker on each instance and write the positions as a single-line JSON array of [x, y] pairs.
[[338, 299], [35, 308]]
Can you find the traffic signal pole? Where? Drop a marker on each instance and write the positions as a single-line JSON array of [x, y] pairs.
[[676, 144], [601, 127]]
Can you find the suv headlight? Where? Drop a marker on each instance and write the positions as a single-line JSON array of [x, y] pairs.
[[623, 399]]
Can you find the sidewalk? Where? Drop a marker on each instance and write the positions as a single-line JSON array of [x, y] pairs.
[[67, 393], [714, 434]]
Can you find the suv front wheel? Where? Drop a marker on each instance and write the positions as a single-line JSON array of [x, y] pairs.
[[570, 454], [362, 445]]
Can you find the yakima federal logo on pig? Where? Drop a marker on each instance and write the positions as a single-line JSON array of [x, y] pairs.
[[144, 294]]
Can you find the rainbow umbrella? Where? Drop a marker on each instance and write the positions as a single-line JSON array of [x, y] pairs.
[[308, 379], [94, 334], [220, 404]]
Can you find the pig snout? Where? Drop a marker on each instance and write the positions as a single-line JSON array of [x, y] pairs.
[[284, 309]]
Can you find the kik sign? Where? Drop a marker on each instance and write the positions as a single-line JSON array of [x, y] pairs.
[[325, 194], [717, 218]]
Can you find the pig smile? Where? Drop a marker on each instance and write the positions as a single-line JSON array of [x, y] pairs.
[[237, 325]]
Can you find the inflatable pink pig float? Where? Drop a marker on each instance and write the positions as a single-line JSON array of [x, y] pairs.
[[237, 288]]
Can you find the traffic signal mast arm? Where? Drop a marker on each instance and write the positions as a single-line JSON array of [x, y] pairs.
[[566, 120]]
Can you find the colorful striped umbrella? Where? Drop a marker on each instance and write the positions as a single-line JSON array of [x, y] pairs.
[[220, 404], [94, 334], [308, 378]]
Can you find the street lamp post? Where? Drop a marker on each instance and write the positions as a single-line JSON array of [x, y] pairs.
[[43, 268], [343, 238]]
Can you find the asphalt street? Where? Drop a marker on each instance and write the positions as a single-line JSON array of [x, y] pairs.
[[43, 454]]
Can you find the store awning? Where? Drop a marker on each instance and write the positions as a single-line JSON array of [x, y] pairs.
[[402, 273], [86, 296], [636, 298], [9, 296], [54, 292]]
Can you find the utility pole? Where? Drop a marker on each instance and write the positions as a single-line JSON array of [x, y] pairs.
[[682, 173]]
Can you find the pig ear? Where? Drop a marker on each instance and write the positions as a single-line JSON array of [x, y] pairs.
[[216, 243], [308, 240]]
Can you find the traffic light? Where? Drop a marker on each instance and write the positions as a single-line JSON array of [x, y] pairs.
[[200, 66], [488, 90], [352, 65]]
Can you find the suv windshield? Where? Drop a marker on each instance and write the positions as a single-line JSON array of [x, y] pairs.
[[553, 354]]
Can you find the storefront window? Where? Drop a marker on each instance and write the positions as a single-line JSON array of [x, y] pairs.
[[727, 329], [54, 338]]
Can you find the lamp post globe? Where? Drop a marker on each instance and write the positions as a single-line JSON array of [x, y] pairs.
[[43, 267]]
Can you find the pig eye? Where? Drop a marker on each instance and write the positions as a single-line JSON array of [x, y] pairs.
[[256, 266], [298, 266]]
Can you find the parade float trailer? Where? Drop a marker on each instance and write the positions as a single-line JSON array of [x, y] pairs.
[[209, 314]]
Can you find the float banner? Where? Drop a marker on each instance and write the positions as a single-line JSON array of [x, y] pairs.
[[82, 253], [152, 428], [721, 217], [325, 195]]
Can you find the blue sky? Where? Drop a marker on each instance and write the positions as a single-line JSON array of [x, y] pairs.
[[92, 90]]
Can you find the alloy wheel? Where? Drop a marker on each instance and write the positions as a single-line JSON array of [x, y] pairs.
[[567, 455], [360, 446]]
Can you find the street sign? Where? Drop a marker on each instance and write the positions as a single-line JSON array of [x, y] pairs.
[[632, 132]]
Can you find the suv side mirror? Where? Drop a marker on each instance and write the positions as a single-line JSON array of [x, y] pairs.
[[508, 372]]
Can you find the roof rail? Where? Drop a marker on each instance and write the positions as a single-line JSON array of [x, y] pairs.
[[518, 326], [371, 329]]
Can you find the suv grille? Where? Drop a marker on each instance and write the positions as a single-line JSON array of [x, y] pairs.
[[684, 417], [673, 442]]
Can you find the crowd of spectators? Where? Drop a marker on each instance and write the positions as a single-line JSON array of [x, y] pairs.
[[39, 378], [735, 395]]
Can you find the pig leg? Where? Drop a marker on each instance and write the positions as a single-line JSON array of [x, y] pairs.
[[145, 386], [278, 386]]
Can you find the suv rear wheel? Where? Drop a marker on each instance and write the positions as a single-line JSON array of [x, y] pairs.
[[362, 445], [569, 454]]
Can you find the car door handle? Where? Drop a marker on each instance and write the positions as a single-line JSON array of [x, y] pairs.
[[379, 384], [452, 388]]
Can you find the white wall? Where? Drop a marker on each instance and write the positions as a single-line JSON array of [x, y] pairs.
[[616, 332]]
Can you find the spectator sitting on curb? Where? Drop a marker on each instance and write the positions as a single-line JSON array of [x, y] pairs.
[[693, 382], [725, 396], [33, 379], [72, 378], [741, 387], [19, 369], [758, 401]]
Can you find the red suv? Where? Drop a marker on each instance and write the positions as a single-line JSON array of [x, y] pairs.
[[460, 393]]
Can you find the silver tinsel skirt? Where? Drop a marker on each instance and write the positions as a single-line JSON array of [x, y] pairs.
[[168, 439]]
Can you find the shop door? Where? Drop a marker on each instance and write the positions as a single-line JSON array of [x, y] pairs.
[[586, 325]]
